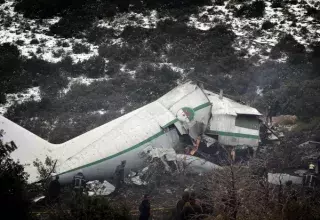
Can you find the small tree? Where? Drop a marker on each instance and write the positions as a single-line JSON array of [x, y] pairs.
[[44, 171], [13, 181]]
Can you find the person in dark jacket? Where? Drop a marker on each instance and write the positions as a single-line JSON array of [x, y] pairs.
[[180, 204], [54, 190], [119, 175], [145, 208], [79, 183], [191, 209]]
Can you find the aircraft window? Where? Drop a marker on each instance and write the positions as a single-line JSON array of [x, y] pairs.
[[247, 121]]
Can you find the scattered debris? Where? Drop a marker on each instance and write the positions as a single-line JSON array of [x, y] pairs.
[[37, 199], [96, 188]]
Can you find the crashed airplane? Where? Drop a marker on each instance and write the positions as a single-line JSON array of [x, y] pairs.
[[154, 129]]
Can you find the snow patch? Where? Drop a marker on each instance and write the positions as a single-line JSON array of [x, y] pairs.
[[31, 94], [121, 21], [81, 80], [99, 112], [250, 36], [33, 38]]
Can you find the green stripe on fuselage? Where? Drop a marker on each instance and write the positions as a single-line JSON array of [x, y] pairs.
[[231, 134], [135, 146]]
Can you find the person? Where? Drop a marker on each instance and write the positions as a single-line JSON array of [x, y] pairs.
[[79, 183], [318, 165], [180, 204], [145, 208], [119, 175], [191, 209], [312, 167], [54, 190]]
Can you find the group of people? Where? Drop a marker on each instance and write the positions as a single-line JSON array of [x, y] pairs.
[[188, 207], [54, 189]]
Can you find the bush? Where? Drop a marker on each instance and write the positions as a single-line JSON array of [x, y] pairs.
[[80, 48], [58, 53], [34, 41], [289, 45], [220, 2], [277, 4], [267, 25], [311, 11], [65, 44], [94, 67], [98, 35], [253, 10], [3, 98], [95, 208], [39, 50], [10, 70], [20, 42], [72, 25], [13, 181]]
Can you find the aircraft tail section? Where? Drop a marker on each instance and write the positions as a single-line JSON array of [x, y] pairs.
[[29, 146]]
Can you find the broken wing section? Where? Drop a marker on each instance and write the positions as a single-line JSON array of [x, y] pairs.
[[29, 146]]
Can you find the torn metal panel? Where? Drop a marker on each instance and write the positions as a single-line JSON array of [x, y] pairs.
[[192, 164], [233, 123], [226, 106], [208, 140], [97, 188]]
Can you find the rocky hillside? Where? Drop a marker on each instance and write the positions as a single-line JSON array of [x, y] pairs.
[[69, 66]]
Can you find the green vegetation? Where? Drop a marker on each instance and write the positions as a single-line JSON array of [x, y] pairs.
[[267, 25], [253, 10], [95, 208], [13, 181]]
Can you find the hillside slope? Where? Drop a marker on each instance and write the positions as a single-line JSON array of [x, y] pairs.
[[69, 67]]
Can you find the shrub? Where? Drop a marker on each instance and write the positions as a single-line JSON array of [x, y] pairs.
[[304, 30], [72, 25], [290, 45], [10, 62], [98, 35], [13, 181], [20, 42], [65, 44], [58, 53], [94, 67], [95, 208], [277, 4], [34, 41], [253, 10], [39, 50], [311, 11], [220, 2], [3, 98], [59, 43], [78, 48], [267, 25]]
